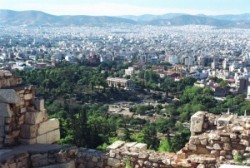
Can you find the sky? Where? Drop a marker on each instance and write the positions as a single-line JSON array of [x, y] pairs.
[[129, 7]]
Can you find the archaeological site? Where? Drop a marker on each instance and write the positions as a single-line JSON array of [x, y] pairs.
[[28, 138]]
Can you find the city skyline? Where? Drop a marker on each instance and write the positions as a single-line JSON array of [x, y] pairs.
[[136, 7]]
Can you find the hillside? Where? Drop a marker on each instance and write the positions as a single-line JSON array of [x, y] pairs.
[[38, 18]]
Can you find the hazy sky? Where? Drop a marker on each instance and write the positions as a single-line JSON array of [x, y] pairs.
[[133, 7]]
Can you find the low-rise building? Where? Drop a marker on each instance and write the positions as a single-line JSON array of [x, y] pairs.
[[123, 83]]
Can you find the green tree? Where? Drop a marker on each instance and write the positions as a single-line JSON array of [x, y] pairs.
[[150, 136]]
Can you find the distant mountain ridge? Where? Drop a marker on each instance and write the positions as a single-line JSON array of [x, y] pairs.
[[38, 18]]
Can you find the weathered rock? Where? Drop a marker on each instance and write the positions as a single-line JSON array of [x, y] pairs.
[[192, 147], [233, 136], [225, 139], [48, 126], [143, 155], [113, 162], [128, 145], [28, 96], [39, 104], [248, 149], [5, 110], [139, 147], [49, 137], [238, 129], [224, 120], [201, 159], [194, 140], [223, 153], [9, 96], [214, 136], [70, 164], [2, 133], [217, 146], [244, 142], [35, 117], [202, 150], [197, 121], [215, 153], [29, 131], [227, 147], [201, 166], [38, 160], [115, 145], [247, 125]]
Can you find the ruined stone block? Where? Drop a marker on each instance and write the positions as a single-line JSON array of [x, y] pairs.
[[194, 140], [238, 129], [9, 96], [28, 96], [28, 131], [115, 145], [7, 128], [48, 126], [39, 104], [224, 120], [9, 140], [225, 139], [42, 139], [7, 120], [21, 119], [23, 110], [139, 147], [202, 150], [227, 147], [217, 146], [113, 162], [38, 160], [214, 136], [49, 138], [129, 144], [5, 110], [2, 121], [197, 121], [192, 147], [2, 133], [53, 136], [70, 164], [35, 117]]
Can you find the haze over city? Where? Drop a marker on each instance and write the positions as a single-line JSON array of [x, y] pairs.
[[129, 7]]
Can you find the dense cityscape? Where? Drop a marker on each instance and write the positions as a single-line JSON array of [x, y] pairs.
[[129, 91], [197, 51]]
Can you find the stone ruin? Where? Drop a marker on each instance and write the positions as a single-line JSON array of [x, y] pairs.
[[23, 118], [223, 136], [26, 132]]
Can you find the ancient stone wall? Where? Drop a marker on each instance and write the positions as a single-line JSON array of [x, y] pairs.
[[23, 118], [225, 137], [215, 140], [119, 155]]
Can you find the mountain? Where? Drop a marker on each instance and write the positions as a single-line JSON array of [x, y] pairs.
[[240, 17], [37, 18], [148, 17], [191, 20]]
